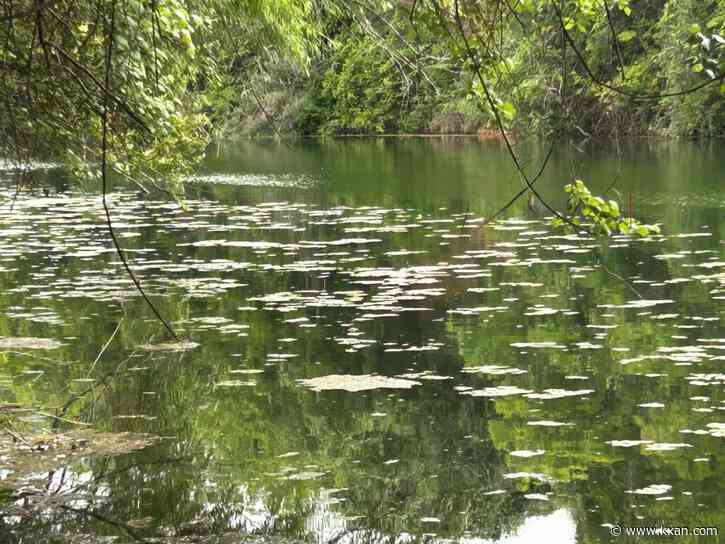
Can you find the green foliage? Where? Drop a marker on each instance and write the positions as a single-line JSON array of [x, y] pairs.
[[381, 70], [690, 53], [600, 215], [185, 68], [359, 92], [170, 64], [368, 86]]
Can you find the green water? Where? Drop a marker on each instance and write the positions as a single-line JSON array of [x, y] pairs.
[[521, 359]]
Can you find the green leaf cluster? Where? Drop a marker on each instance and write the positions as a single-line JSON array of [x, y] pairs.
[[602, 216]]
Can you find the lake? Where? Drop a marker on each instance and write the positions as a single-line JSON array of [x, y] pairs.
[[361, 359]]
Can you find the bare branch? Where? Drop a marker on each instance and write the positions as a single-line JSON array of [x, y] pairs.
[[615, 41], [104, 173], [494, 109]]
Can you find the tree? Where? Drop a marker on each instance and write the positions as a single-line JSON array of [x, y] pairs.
[[179, 67], [152, 69]]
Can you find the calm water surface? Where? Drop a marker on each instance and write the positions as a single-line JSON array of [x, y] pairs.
[[507, 382]]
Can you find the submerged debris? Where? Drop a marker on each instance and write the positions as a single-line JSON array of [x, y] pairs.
[[31, 456]]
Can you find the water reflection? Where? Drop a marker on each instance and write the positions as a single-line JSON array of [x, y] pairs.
[[553, 384]]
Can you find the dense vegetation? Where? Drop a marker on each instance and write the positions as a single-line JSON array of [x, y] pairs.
[[158, 78], [587, 67], [151, 73]]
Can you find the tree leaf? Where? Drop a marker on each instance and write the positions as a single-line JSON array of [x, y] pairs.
[[626, 35]]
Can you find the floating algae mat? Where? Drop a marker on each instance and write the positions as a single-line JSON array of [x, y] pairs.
[[28, 458], [361, 382], [359, 358], [25, 342]]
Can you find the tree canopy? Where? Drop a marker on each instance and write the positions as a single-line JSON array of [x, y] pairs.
[[169, 73], [162, 66]]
